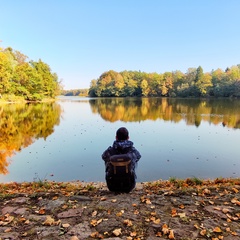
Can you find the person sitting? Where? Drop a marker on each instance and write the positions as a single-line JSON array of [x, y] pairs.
[[120, 163]]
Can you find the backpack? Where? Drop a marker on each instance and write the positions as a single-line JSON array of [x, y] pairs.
[[121, 164]]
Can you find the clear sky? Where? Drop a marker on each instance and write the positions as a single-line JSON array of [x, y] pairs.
[[81, 39]]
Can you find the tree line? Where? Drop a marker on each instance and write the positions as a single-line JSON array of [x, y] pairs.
[[28, 80], [75, 92], [193, 83]]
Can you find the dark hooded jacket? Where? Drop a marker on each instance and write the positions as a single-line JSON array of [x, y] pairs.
[[121, 147]]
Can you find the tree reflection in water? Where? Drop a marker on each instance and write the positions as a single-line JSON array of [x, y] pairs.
[[192, 111], [22, 124]]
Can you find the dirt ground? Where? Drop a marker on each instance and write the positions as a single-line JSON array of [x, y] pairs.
[[157, 210]]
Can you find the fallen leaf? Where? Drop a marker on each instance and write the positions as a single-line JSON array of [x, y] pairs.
[[65, 225], [157, 221], [117, 232], [174, 212], [182, 215], [27, 221], [171, 235], [74, 238], [119, 214], [42, 211], [133, 234], [196, 226], [114, 200], [148, 201], [94, 234], [49, 221], [206, 191], [95, 222], [165, 229], [55, 198], [136, 212], [235, 218], [158, 234], [235, 190], [203, 232], [229, 216], [142, 199], [7, 230], [22, 219], [217, 230], [234, 200], [8, 217], [225, 210], [94, 213], [153, 213], [128, 222]]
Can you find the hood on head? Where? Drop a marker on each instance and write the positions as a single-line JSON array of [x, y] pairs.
[[122, 145]]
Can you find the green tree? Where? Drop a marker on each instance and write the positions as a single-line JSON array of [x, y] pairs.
[[30, 80], [130, 84], [203, 82], [167, 85], [217, 88], [155, 82], [6, 72], [178, 83], [27, 82], [49, 81]]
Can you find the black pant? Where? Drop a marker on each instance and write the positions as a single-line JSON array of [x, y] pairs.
[[124, 184]]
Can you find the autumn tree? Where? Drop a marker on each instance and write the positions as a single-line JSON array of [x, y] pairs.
[[30, 80]]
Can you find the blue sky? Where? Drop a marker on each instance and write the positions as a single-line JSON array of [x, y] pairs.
[[81, 39]]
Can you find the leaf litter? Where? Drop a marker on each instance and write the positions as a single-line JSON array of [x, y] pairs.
[[173, 209]]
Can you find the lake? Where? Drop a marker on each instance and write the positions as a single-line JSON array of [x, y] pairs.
[[64, 141]]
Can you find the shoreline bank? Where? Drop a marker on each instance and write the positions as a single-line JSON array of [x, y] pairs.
[[176, 209]]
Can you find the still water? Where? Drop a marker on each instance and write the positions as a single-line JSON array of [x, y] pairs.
[[63, 141]]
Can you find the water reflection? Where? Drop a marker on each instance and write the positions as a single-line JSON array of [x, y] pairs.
[[22, 124], [162, 129], [192, 111]]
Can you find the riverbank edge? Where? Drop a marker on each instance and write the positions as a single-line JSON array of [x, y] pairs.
[[163, 209], [172, 183]]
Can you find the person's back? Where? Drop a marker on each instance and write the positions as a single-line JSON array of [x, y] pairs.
[[120, 161]]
